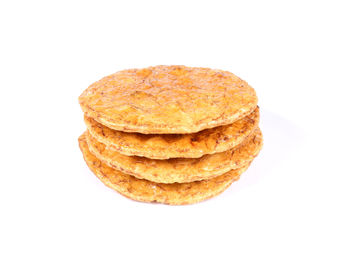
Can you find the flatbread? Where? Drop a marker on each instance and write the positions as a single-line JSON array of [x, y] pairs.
[[168, 100], [146, 191], [166, 146], [179, 169]]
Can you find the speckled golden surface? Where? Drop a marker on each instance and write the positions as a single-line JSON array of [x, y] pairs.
[[147, 191], [179, 169], [168, 99], [166, 146]]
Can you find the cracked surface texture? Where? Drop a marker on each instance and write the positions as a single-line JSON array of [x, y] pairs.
[[168, 99]]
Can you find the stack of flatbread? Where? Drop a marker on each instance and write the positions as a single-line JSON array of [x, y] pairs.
[[170, 134]]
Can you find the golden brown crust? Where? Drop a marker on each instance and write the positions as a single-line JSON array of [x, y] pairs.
[[168, 100], [179, 169], [167, 146], [146, 191]]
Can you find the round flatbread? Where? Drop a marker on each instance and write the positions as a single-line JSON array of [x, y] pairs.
[[168, 100], [179, 169], [146, 191], [167, 146]]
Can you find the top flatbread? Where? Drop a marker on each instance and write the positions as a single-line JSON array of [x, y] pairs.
[[168, 99]]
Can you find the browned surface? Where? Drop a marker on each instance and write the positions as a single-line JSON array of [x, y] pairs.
[[168, 99], [146, 191], [166, 146], [179, 169]]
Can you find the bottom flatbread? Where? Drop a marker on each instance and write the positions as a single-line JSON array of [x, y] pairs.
[[147, 191]]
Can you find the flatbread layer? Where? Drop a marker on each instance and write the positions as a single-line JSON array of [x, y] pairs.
[[165, 146], [179, 169]]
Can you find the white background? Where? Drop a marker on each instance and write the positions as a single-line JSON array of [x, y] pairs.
[[293, 200]]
